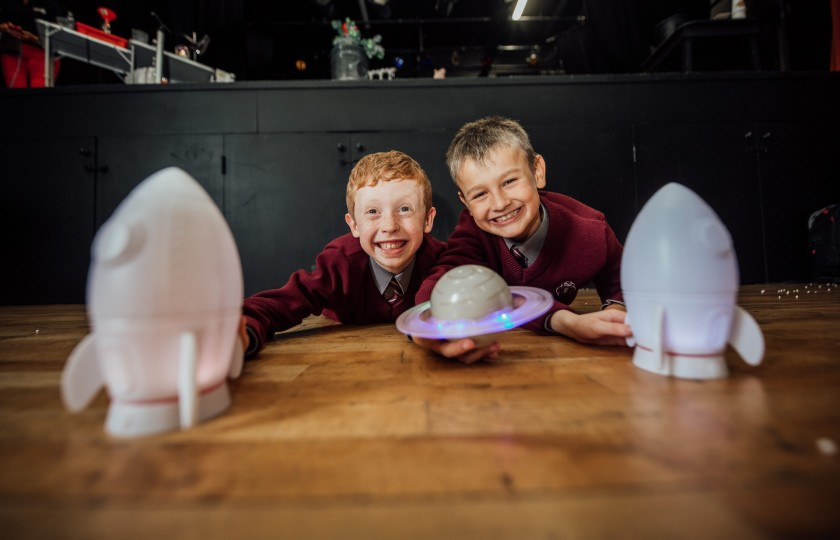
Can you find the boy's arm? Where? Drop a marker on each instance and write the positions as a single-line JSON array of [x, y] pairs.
[[306, 293], [605, 327]]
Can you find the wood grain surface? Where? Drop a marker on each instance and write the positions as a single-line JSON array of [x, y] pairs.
[[353, 432]]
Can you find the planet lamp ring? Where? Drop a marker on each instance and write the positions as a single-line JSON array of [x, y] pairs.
[[530, 303]]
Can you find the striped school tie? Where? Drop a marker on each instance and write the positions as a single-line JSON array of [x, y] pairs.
[[393, 292], [520, 258]]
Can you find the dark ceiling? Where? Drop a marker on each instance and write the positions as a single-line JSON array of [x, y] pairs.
[[292, 39]]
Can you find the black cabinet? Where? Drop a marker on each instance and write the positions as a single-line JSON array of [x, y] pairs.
[[719, 163], [762, 179], [59, 191], [799, 167], [761, 149], [593, 164], [47, 213], [125, 161], [284, 200]]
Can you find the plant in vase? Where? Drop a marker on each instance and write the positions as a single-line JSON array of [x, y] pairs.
[[350, 53]]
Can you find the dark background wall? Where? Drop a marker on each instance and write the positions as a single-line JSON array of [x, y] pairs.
[[762, 149]]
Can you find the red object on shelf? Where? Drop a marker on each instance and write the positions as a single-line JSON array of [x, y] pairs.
[[99, 34], [106, 14]]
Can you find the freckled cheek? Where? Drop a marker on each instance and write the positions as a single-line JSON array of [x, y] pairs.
[[369, 233], [411, 222]]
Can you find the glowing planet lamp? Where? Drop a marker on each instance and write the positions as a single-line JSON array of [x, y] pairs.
[[164, 297], [472, 301], [679, 276]]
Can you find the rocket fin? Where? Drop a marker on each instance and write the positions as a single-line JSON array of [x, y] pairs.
[[188, 380], [746, 337], [81, 378], [658, 345]]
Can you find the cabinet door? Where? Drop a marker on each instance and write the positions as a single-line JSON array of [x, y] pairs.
[[428, 148], [124, 162], [593, 164], [718, 162], [284, 200], [800, 173], [47, 212]]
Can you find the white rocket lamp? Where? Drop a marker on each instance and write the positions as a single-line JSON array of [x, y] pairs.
[[679, 275], [164, 298]]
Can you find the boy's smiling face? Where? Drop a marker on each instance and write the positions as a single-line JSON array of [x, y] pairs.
[[389, 220], [501, 193]]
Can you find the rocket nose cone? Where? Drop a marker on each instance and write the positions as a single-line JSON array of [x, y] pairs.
[[172, 181], [675, 195], [677, 243], [164, 248]]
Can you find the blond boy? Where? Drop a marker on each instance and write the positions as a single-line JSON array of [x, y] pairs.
[[531, 237]]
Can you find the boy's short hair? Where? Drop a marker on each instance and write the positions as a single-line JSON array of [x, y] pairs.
[[386, 166], [475, 139]]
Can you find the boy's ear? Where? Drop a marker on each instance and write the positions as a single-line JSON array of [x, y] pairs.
[[430, 220], [352, 224], [464, 201], [539, 171]]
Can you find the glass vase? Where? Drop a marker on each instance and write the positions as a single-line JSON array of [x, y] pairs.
[[348, 61]]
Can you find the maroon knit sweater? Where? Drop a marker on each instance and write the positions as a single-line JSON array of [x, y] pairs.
[[580, 248], [341, 287]]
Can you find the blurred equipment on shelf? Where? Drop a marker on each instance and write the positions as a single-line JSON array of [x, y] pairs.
[[134, 61]]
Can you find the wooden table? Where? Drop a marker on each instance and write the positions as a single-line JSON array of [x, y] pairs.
[[349, 432]]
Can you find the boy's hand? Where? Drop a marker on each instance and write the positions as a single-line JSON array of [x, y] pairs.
[[243, 334], [605, 327], [463, 350]]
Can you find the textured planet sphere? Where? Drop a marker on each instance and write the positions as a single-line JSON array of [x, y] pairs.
[[469, 292]]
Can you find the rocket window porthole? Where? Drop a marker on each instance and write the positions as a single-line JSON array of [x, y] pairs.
[[713, 236], [117, 243]]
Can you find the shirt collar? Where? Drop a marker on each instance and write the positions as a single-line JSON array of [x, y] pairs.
[[382, 277], [532, 246]]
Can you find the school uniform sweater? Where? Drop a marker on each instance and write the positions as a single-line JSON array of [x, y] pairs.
[[342, 287], [580, 248]]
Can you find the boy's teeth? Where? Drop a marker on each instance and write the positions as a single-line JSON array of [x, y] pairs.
[[505, 217], [390, 245]]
